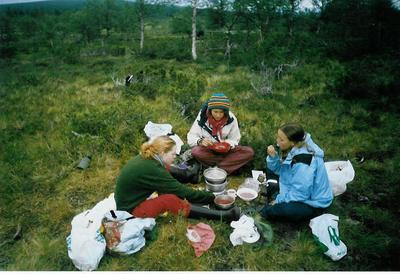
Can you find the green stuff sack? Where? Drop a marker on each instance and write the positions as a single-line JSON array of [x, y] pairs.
[[266, 232]]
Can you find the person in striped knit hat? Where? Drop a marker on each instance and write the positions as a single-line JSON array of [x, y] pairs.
[[215, 125]]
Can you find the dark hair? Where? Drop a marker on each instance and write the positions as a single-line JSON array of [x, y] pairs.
[[293, 131], [226, 112]]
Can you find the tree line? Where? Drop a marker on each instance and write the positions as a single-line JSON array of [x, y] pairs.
[[362, 35]]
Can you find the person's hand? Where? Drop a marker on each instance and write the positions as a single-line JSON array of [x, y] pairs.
[[271, 151], [205, 142]]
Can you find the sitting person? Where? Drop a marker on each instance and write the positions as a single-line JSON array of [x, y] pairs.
[[215, 123], [148, 172], [304, 189]]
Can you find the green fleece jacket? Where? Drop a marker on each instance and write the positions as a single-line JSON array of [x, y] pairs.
[[139, 178]]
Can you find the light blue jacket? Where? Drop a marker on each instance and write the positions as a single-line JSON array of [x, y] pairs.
[[301, 182]]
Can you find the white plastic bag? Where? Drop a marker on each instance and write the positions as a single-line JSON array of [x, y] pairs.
[[245, 231], [340, 173], [326, 231], [153, 130], [86, 245], [125, 234]]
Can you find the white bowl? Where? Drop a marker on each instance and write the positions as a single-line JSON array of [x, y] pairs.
[[246, 194]]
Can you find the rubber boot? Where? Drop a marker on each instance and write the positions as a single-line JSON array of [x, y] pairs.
[[229, 215], [186, 175]]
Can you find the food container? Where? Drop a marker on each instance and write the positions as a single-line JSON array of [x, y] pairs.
[[247, 194], [231, 192], [251, 183], [221, 147], [215, 175], [216, 187], [224, 201]]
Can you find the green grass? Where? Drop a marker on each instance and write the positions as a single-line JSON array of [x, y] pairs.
[[42, 103]]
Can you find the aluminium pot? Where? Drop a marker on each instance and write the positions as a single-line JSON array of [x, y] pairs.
[[216, 187], [215, 175]]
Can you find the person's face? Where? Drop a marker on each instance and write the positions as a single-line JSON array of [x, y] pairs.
[[169, 156], [217, 114], [283, 141]]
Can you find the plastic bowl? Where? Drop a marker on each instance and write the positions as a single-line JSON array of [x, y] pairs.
[[224, 201], [246, 194], [215, 175], [220, 147]]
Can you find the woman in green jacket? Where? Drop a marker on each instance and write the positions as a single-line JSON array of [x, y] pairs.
[[149, 172]]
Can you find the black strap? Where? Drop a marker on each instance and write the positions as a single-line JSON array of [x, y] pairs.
[[302, 158], [115, 216]]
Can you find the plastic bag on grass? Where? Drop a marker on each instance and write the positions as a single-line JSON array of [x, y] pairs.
[[326, 232], [340, 173], [86, 245], [124, 233]]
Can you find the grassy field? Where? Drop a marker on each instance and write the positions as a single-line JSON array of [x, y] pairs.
[[52, 114]]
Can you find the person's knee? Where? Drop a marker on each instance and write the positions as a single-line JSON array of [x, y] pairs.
[[248, 152], [169, 197], [267, 212], [196, 151]]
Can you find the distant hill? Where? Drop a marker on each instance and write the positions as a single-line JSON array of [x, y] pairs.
[[62, 5], [46, 5]]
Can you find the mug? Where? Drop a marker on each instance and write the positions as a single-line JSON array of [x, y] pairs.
[[231, 192]]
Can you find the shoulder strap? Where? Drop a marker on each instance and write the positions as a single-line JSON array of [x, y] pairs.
[[302, 158], [203, 115], [203, 120]]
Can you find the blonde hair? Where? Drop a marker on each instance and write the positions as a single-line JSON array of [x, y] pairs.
[[160, 144]]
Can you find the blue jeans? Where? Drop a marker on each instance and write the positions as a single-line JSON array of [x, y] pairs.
[[292, 211]]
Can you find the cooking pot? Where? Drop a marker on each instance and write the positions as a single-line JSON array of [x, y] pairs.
[[224, 201], [216, 187], [215, 175]]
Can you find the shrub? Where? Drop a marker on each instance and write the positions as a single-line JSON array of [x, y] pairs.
[[374, 79], [167, 48]]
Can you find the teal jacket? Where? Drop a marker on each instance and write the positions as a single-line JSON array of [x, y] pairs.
[[301, 182], [139, 178]]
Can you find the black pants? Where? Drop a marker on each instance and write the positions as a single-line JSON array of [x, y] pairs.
[[292, 211]]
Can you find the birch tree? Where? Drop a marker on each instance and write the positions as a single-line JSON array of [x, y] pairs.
[[142, 13], [195, 4], [194, 33]]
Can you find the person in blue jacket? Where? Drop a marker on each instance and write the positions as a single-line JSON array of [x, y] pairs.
[[304, 189]]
